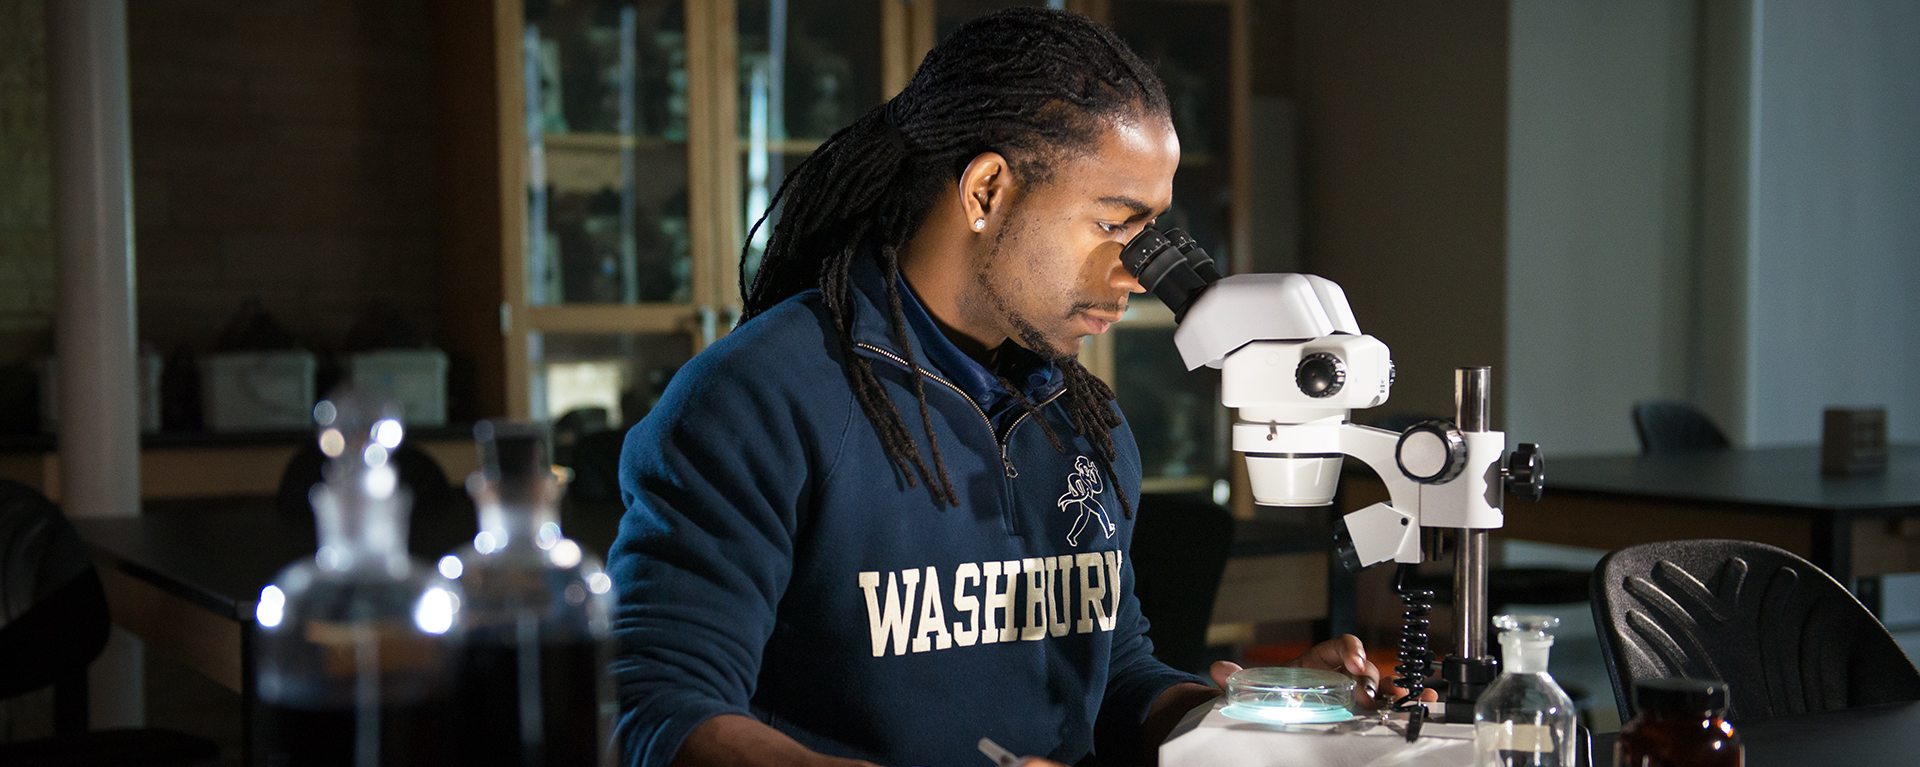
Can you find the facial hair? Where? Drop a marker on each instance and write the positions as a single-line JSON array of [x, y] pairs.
[[1025, 332]]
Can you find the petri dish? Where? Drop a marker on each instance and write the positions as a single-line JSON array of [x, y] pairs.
[[1285, 695]]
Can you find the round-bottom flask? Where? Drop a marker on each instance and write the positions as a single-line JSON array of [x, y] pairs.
[[1524, 719], [354, 654]]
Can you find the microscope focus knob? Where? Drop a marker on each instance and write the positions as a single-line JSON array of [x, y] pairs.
[[1526, 472], [1431, 452], [1320, 375]]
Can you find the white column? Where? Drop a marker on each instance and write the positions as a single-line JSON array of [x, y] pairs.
[[94, 327]]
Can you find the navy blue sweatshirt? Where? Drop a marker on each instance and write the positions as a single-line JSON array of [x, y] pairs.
[[773, 563]]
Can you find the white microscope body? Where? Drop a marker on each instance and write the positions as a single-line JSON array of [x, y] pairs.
[[1294, 363]]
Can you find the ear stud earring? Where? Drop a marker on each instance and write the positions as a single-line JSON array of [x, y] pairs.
[[979, 224]]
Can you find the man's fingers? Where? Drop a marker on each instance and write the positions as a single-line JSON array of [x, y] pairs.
[[1220, 671]]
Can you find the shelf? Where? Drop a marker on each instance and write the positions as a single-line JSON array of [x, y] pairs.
[[589, 162], [609, 318], [786, 146], [607, 142]]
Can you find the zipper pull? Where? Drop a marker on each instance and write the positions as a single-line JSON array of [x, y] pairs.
[[1008, 463]]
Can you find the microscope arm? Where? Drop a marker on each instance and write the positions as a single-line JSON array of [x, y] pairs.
[[1382, 531]]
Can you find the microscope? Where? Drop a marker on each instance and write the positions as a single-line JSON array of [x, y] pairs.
[[1294, 363]]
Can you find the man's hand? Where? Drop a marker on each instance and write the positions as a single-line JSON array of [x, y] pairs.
[[1346, 655]]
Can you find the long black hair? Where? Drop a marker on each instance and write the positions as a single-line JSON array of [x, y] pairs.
[[1029, 83]]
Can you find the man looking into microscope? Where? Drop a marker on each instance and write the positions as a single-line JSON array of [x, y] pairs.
[[890, 513]]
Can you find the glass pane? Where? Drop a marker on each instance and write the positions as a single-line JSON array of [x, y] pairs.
[[950, 14], [612, 379], [606, 112], [807, 69], [1186, 42], [1161, 397]]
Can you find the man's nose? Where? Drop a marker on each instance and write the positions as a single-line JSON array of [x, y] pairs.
[[1120, 278]]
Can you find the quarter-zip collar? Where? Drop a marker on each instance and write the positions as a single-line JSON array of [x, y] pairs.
[[1038, 378]]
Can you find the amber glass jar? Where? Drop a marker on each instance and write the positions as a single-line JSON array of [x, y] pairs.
[[1681, 723]]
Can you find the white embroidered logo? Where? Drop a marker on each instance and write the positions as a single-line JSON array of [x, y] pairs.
[[1082, 487]]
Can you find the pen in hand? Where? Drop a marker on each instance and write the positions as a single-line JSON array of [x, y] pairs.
[[1000, 756]]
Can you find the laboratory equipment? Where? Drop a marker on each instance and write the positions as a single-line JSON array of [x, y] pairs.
[[1680, 723], [534, 689], [1286, 695], [353, 660], [1525, 719], [1294, 363]]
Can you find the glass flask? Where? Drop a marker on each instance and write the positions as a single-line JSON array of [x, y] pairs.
[[354, 655], [1681, 723], [1524, 719], [534, 687]]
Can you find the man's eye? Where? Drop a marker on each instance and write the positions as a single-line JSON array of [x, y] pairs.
[[1107, 228]]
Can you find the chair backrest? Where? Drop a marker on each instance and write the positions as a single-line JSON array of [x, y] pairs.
[[596, 466], [1180, 547], [419, 473], [1670, 426], [53, 613], [1785, 636]]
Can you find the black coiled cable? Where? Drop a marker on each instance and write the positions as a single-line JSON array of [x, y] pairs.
[[1416, 660]]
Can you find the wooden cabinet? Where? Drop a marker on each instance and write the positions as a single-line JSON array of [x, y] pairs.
[[602, 162]]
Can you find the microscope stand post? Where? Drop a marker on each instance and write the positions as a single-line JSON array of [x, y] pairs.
[[1471, 668]]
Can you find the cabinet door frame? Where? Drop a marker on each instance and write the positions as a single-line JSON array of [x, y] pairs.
[[714, 162], [699, 319]]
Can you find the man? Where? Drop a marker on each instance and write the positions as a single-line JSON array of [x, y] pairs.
[[808, 576]]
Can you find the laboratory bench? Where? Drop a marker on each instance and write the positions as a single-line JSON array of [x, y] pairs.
[[184, 465]]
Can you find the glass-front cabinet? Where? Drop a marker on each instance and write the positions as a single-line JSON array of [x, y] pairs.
[[612, 281], [641, 139]]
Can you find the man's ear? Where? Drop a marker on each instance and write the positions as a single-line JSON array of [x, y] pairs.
[[986, 186]]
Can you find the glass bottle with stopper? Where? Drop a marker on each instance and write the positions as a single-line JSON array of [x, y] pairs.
[[1524, 719], [354, 654], [1681, 723], [533, 681]]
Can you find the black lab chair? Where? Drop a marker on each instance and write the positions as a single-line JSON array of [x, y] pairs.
[[1786, 637], [1670, 426], [434, 501], [53, 624], [1180, 547]]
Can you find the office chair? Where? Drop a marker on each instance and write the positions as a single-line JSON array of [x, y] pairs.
[[1670, 426], [1180, 547], [53, 624], [433, 497], [596, 466], [1785, 636]]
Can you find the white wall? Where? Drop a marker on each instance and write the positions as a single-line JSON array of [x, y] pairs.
[[1835, 254], [1599, 210]]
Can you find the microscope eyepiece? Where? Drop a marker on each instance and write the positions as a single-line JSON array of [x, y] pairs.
[[1171, 266]]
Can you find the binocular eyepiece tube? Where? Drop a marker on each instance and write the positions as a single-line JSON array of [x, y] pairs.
[[1171, 266]]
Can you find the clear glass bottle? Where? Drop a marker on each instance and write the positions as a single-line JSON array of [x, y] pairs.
[[354, 656], [1524, 719], [534, 686], [1680, 723]]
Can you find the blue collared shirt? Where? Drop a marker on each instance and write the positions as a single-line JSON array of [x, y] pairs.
[[1033, 373]]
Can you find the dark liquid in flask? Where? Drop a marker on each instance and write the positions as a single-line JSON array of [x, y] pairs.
[[410, 734], [555, 722]]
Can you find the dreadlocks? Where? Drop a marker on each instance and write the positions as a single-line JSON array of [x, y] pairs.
[[1028, 83]]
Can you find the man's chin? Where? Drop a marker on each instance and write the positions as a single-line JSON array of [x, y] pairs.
[[1061, 351], [1055, 351]]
